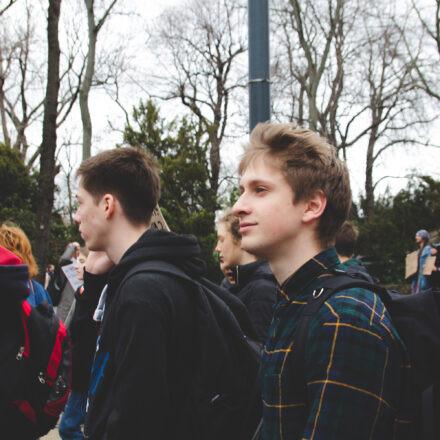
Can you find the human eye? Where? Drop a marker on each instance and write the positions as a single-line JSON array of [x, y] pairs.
[[260, 189]]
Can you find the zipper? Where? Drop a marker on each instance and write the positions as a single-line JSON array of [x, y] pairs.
[[19, 355]]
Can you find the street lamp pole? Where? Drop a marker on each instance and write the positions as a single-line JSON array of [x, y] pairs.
[[259, 76]]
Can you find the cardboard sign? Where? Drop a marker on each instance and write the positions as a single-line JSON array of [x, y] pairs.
[[157, 220], [429, 266], [411, 264], [72, 277]]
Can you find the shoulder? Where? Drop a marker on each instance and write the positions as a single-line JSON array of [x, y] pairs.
[[41, 292], [426, 251], [357, 312], [153, 288], [37, 286], [261, 288]]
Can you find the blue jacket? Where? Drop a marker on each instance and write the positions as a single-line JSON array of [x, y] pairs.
[[421, 282], [38, 294]]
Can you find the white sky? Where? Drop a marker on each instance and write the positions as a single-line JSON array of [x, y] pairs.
[[397, 162]]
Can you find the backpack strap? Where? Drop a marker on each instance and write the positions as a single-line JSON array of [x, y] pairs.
[[340, 281], [158, 266]]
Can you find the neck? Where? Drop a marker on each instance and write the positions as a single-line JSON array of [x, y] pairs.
[[246, 258], [123, 237], [343, 259], [289, 259]]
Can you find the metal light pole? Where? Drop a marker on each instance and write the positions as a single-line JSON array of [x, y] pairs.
[[259, 77]]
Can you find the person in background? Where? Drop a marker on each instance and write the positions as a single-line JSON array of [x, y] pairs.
[[435, 274], [421, 282], [14, 239], [50, 273], [252, 279], [83, 331], [345, 243], [69, 256]]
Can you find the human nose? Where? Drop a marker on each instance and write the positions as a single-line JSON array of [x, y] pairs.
[[240, 207], [76, 217]]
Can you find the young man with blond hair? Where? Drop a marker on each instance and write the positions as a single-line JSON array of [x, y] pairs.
[[295, 195], [254, 283]]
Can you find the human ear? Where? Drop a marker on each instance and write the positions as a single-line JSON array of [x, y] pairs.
[[315, 206], [109, 202]]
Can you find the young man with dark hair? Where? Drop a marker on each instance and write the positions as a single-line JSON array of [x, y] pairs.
[[295, 195], [345, 242], [144, 359]]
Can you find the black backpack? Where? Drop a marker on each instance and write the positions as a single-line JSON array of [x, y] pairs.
[[224, 401], [417, 321], [35, 371]]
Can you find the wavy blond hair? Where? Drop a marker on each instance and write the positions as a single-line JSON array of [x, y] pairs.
[[14, 239]]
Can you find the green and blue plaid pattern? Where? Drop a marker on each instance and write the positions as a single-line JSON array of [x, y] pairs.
[[357, 370]]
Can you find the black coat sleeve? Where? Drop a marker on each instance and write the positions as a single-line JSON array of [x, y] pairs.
[[84, 330]]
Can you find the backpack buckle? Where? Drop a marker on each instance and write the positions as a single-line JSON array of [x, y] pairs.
[[317, 294]]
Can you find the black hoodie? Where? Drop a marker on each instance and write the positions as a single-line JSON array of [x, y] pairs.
[[145, 351], [257, 288]]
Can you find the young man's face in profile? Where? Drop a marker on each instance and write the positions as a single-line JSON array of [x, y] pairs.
[[269, 221], [228, 250], [91, 219]]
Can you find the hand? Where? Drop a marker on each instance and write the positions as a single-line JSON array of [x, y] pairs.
[[98, 263]]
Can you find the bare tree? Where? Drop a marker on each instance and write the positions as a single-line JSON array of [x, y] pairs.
[[46, 182], [345, 74], [425, 64], [20, 77], [22, 82], [199, 45], [395, 106], [312, 57], [93, 29], [4, 7]]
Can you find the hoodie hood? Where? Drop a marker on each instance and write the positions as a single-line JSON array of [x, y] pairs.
[[14, 277], [154, 244]]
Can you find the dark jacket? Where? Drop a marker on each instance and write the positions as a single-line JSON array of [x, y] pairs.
[[14, 282], [84, 330], [144, 360], [256, 287]]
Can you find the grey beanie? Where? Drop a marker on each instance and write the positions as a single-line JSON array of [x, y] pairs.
[[424, 234]]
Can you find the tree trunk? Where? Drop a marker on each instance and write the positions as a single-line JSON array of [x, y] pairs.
[[214, 161], [46, 182], [369, 187], [7, 139], [87, 83]]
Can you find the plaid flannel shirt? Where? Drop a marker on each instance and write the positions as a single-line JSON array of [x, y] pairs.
[[356, 367]]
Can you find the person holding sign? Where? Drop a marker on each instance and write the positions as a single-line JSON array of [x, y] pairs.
[[420, 280]]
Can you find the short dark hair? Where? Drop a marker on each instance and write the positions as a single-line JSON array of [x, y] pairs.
[[346, 239], [130, 174], [309, 163]]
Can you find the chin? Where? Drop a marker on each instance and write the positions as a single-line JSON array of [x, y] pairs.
[[254, 250]]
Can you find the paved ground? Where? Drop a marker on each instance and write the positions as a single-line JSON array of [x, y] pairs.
[[53, 435]]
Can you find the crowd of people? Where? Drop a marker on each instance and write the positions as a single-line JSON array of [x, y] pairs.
[[134, 336]]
